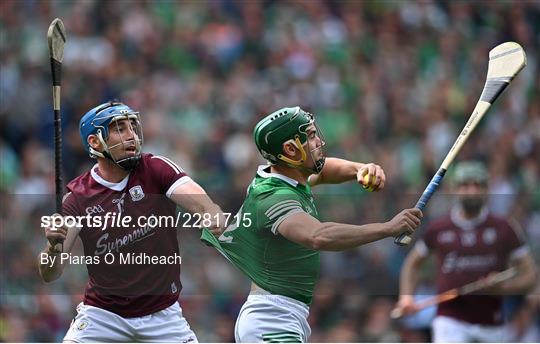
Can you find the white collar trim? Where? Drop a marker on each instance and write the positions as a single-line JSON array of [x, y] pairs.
[[467, 224], [121, 185], [261, 172]]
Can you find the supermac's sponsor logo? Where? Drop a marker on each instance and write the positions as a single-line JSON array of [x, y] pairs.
[[96, 209], [454, 263], [104, 246]]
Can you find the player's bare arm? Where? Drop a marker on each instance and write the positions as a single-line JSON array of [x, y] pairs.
[[408, 280], [527, 273], [337, 171], [192, 197], [306, 230], [53, 270]]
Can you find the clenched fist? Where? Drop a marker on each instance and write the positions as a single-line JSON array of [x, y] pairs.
[[56, 235], [371, 176], [407, 221]]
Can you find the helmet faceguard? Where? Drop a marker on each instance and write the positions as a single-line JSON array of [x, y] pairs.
[[109, 116], [289, 125], [318, 163], [475, 173]]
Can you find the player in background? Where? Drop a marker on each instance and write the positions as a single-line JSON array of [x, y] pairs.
[[126, 302], [277, 240], [469, 244]]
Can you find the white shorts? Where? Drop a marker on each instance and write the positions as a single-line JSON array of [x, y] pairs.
[[450, 330], [272, 318], [93, 324]]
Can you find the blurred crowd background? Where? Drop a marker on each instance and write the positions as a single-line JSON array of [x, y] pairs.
[[390, 82]]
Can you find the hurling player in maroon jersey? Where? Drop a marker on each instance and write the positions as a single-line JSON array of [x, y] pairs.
[[469, 243], [133, 267]]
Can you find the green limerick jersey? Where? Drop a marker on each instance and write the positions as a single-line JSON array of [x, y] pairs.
[[253, 244]]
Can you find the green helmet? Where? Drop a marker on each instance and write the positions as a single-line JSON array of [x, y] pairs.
[[286, 124], [470, 171]]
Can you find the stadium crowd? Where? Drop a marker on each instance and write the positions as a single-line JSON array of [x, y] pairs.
[[390, 82]]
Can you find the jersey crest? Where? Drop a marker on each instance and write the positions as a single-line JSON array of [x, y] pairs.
[[136, 193]]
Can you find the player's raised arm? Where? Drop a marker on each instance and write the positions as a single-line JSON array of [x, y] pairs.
[[49, 260], [306, 230], [337, 171]]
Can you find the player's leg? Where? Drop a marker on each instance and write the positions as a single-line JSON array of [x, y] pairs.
[[272, 318], [92, 324], [168, 325], [449, 330]]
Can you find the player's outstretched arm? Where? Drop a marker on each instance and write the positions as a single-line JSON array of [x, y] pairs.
[[306, 230], [192, 197], [337, 171], [50, 263]]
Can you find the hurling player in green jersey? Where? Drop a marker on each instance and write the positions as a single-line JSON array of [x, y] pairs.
[[276, 237]]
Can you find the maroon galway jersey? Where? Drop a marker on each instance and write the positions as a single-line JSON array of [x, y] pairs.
[[123, 287], [465, 251]]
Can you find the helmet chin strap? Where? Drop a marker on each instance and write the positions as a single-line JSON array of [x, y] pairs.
[[319, 164], [128, 163]]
